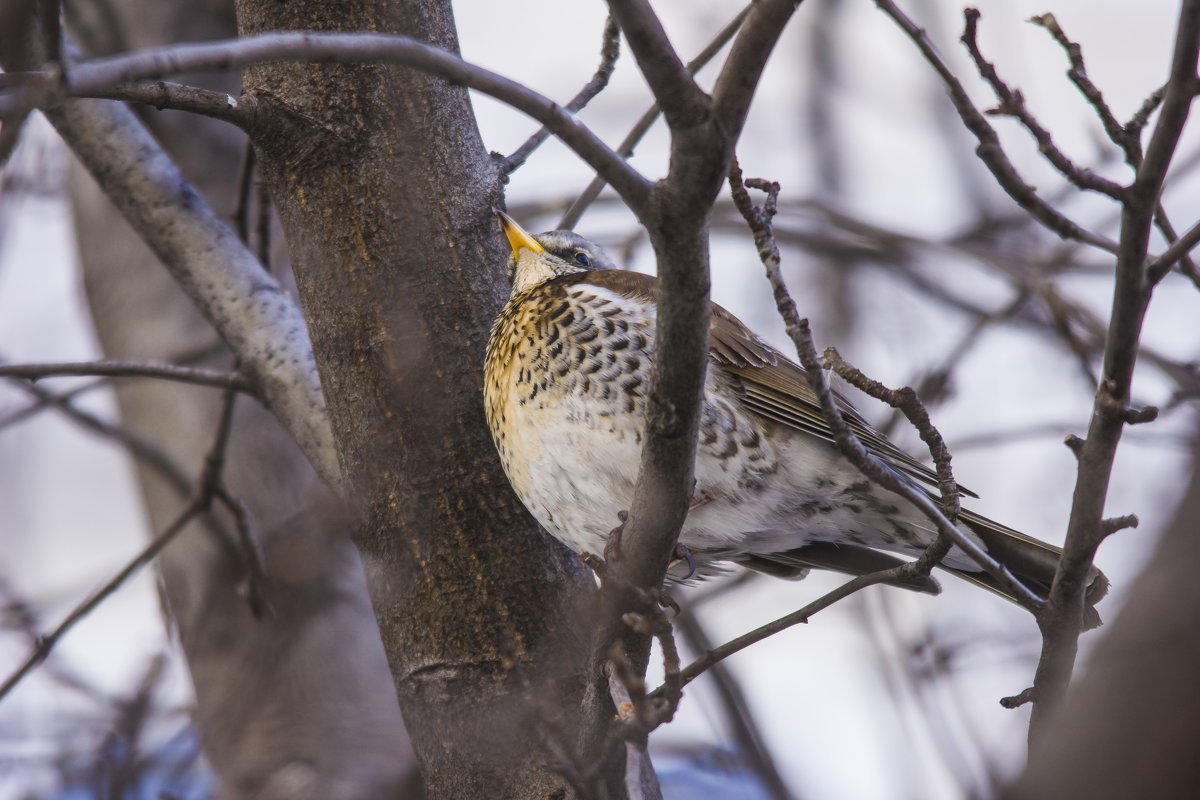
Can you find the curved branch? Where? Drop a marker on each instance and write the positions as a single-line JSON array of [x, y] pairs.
[[231, 54]]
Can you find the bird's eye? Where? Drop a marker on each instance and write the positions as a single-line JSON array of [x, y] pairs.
[[582, 258]]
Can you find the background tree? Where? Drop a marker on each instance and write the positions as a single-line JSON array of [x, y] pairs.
[[384, 193]]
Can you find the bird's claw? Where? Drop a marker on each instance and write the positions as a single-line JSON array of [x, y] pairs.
[[683, 554]]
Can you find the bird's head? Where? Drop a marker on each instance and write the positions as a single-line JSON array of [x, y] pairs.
[[537, 259]]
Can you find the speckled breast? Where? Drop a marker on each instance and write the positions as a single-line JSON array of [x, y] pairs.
[[567, 368]]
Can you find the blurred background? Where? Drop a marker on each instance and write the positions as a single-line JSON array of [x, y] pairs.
[[901, 250]]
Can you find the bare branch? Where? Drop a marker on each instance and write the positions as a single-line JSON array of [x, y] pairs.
[[1139, 416], [906, 400], [1137, 122], [47, 643], [140, 448], [746, 734], [177, 96], [1078, 76], [847, 442], [1111, 525], [740, 74], [610, 49], [1012, 103], [130, 369], [717, 654], [210, 486], [1160, 266], [989, 151], [1074, 444], [1062, 619], [225, 55]]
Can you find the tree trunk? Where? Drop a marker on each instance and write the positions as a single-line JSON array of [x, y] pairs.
[[385, 192]]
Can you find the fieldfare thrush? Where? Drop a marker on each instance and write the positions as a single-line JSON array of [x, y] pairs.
[[567, 370]]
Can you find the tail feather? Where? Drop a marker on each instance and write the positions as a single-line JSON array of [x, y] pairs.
[[1031, 561]]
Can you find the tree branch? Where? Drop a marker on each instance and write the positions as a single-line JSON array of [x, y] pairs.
[[177, 96], [571, 216], [1161, 265], [989, 151], [1062, 619], [610, 49], [46, 644], [261, 324], [224, 55], [741, 72], [874, 469], [1012, 103], [130, 369]]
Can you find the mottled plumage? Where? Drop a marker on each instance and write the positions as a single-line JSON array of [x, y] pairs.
[[567, 370]]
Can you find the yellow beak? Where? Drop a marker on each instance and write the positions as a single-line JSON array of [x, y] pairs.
[[518, 237]]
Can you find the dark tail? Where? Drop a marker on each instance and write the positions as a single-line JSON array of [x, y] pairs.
[[1032, 562]]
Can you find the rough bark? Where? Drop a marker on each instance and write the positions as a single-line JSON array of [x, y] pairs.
[[287, 706], [385, 192]]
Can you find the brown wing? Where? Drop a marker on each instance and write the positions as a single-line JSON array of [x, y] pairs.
[[771, 384], [778, 389]]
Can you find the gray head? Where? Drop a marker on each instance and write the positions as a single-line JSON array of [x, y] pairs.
[[537, 259]]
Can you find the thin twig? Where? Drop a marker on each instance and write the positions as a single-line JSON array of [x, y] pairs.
[[96, 75], [1078, 76], [907, 402], [210, 486], [682, 101], [130, 369], [140, 448], [747, 737], [901, 573], [610, 49], [1161, 265], [1012, 103], [989, 150], [573, 213], [47, 643]]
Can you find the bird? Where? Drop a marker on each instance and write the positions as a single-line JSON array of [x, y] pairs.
[[566, 372]]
